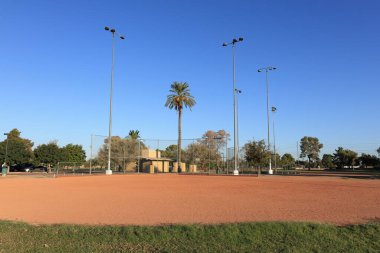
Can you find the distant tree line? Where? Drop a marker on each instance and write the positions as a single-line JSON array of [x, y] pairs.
[[257, 155], [17, 151], [207, 152]]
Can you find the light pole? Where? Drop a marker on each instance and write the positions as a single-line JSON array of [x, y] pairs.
[[267, 69], [234, 41], [226, 154], [237, 91], [6, 149], [274, 109], [91, 155], [138, 161], [113, 31]]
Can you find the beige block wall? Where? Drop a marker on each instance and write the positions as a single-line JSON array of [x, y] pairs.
[[158, 165], [166, 166], [175, 167], [193, 168], [151, 169], [183, 166]]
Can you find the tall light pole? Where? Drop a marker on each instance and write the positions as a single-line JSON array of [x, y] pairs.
[[274, 109], [226, 154], [234, 41], [113, 31], [237, 91], [6, 149], [267, 69]]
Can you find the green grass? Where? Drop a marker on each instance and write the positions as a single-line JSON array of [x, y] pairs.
[[243, 237]]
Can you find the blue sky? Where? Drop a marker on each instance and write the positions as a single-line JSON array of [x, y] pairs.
[[55, 62]]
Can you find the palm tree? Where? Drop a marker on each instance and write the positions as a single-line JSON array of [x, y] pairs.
[[178, 98], [134, 134]]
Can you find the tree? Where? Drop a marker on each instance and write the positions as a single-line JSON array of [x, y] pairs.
[[344, 157], [366, 160], [287, 160], [256, 153], [216, 143], [216, 140], [378, 152], [19, 150], [179, 98], [202, 155], [73, 154], [277, 161], [171, 152], [310, 148], [123, 150], [134, 134], [327, 161], [48, 154]]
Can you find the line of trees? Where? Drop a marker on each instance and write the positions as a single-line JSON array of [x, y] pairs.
[[257, 155], [346, 158], [341, 158], [205, 152], [17, 151]]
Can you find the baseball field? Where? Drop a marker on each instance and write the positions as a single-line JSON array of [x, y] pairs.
[[167, 206]]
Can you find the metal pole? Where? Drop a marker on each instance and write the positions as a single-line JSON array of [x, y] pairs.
[[226, 155], [109, 171], [138, 161], [237, 127], [236, 172], [274, 148], [91, 155], [237, 131], [209, 157], [6, 152], [297, 153], [270, 158], [124, 158]]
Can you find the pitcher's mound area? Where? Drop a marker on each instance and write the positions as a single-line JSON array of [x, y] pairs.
[[163, 199]]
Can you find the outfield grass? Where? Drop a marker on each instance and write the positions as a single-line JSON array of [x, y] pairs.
[[243, 237]]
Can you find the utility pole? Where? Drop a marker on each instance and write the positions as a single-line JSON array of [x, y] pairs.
[[297, 153]]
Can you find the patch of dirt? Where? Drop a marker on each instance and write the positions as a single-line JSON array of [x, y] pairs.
[[166, 199]]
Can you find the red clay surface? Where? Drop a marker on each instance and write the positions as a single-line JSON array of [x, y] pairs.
[[163, 199]]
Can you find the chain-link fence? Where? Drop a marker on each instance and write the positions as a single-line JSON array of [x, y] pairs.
[[200, 155], [136, 155]]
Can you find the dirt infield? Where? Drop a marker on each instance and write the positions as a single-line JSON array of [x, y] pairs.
[[162, 199]]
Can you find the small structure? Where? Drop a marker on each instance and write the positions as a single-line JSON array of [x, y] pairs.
[[152, 162]]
